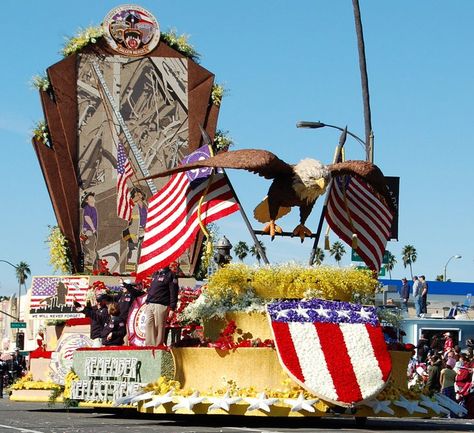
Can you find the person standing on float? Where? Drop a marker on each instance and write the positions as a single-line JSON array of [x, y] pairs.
[[98, 314], [90, 223], [162, 297]]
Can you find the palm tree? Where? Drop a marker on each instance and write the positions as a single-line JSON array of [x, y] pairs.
[[390, 263], [409, 257], [337, 250], [319, 256], [22, 270], [256, 253], [241, 250]]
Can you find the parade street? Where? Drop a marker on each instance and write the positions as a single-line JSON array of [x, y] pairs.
[[39, 418]]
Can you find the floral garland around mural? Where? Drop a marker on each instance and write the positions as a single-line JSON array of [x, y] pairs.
[[41, 133], [59, 254]]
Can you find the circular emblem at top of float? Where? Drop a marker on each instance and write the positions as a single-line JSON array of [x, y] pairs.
[[131, 30]]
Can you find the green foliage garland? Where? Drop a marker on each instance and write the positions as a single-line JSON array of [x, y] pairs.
[[218, 92], [180, 43], [222, 141], [83, 37], [40, 82]]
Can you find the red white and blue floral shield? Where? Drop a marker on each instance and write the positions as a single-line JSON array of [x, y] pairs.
[[335, 350]]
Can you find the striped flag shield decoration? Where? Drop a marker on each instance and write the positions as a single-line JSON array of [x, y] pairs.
[[335, 350], [354, 208], [174, 213]]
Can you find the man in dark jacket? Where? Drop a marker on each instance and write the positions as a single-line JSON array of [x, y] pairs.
[[405, 294], [114, 330], [434, 374], [126, 297], [162, 297], [98, 315]]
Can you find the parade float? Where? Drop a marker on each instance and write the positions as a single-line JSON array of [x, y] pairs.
[[124, 107]]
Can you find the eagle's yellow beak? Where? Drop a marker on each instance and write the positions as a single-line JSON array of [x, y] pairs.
[[322, 184]]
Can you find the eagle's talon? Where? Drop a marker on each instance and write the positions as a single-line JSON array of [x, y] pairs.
[[302, 231], [271, 228]]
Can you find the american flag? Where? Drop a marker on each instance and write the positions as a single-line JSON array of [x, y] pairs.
[[44, 288], [355, 209], [124, 172], [172, 221]]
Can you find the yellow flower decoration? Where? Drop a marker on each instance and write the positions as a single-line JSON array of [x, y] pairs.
[[68, 382], [27, 382], [292, 281], [58, 251]]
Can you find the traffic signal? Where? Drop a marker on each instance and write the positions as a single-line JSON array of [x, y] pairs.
[[20, 340]]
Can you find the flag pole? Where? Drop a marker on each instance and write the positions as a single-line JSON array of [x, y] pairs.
[[337, 155], [247, 223], [207, 140]]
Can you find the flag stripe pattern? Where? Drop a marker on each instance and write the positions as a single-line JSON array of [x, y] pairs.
[[172, 221], [46, 287], [124, 172], [353, 208], [335, 350]]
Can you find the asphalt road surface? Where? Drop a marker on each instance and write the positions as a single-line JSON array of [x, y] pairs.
[[39, 418]]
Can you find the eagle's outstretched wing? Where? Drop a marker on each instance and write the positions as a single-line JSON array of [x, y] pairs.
[[261, 162], [368, 172]]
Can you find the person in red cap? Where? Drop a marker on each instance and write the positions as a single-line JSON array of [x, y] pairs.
[[448, 342]]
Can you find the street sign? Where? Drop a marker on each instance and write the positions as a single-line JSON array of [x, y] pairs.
[[18, 325], [356, 258]]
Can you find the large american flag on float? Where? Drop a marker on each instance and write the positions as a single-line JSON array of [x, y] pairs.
[[355, 209], [173, 216], [45, 288], [335, 350], [124, 172]]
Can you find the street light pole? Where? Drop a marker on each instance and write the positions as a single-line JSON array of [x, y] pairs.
[[19, 287], [316, 125], [369, 135], [457, 256]]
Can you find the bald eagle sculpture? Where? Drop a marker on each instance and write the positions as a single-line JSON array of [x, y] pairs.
[[293, 185]]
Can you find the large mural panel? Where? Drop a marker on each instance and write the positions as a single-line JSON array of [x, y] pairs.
[[140, 105], [118, 109]]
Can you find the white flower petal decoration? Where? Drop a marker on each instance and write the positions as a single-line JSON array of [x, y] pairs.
[[188, 402], [126, 399], [141, 397], [411, 406], [433, 405], [223, 402], [450, 404], [300, 403], [260, 403], [380, 406], [160, 400]]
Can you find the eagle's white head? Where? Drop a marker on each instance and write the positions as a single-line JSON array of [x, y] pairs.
[[311, 179]]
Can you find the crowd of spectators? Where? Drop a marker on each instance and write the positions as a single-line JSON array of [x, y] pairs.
[[441, 366]]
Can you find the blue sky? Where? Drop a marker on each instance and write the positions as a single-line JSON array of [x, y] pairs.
[[281, 62]]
